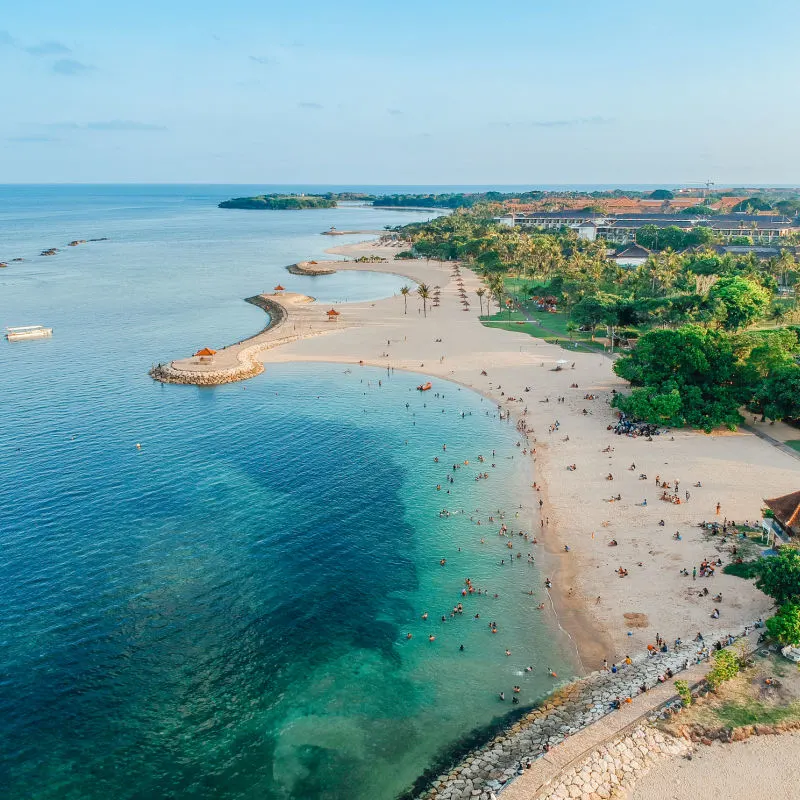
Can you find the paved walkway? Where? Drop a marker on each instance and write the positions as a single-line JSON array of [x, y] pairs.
[[772, 440], [576, 748]]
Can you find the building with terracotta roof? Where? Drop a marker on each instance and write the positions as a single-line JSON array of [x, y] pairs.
[[622, 228]]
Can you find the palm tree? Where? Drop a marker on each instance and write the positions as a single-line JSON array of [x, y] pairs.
[[480, 292], [405, 290], [423, 290], [496, 288]]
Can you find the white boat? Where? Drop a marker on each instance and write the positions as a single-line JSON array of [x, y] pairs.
[[28, 332]]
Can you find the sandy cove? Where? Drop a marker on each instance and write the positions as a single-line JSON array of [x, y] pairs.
[[736, 469]]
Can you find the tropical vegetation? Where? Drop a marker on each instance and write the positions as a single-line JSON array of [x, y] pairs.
[[713, 333], [273, 202]]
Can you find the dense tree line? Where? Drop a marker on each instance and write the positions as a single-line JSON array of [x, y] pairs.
[[695, 363], [702, 377], [456, 199], [273, 202]]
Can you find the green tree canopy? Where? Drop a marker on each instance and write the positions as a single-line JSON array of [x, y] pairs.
[[779, 577], [661, 194], [751, 205], [785, 625], [739, 301], [699, 235], [690, 376], [778, 395], [788, 207], [699, 211]]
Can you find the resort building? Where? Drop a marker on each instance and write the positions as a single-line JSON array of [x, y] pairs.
[[619, 229], [633, 256]]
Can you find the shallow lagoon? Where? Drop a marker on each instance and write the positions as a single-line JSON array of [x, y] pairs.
[[224, 613]]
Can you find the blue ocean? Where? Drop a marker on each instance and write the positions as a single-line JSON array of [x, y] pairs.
[[241, 607]]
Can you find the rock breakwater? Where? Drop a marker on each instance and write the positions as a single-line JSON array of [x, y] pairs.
[[486, 770], [312, 268], [237, 362]]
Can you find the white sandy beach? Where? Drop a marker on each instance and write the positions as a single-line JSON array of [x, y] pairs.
[[738, 470], [760, 768]]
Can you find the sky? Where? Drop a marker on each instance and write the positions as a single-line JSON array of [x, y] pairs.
[[411, 92]]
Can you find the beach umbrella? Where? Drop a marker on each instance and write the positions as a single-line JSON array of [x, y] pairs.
[[332, 314], [279, 288]]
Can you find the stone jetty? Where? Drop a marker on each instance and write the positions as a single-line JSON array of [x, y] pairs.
[[312, 268], [239, 361]]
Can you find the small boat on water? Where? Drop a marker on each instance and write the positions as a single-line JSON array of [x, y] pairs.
[[28, 332], [423, 387]]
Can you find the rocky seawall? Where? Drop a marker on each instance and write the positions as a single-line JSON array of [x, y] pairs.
[[484, 771], [614, 766], [166, 373]]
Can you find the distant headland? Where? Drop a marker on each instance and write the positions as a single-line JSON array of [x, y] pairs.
[[281, 202], [692, 202]]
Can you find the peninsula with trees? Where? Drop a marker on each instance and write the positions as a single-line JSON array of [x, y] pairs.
[[280, 202]]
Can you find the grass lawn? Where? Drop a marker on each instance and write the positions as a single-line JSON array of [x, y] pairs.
[[747, 700], [794, 444], [753, 712], [553, 328]]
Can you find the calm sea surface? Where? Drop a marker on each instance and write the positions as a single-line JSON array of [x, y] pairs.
[[224, 613]]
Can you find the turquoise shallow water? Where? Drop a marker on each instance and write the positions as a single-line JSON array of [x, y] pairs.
[[225, 612]]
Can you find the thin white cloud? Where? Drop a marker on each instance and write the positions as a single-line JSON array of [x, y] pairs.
[[69, 66], [570, 123], [33, 139], [313, 106], [123, 125], [51, 48]]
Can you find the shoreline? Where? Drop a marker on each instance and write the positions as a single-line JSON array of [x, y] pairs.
[[567, 417], [246, 359]]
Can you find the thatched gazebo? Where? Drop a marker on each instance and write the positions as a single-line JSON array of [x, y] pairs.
[[206, 355]]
